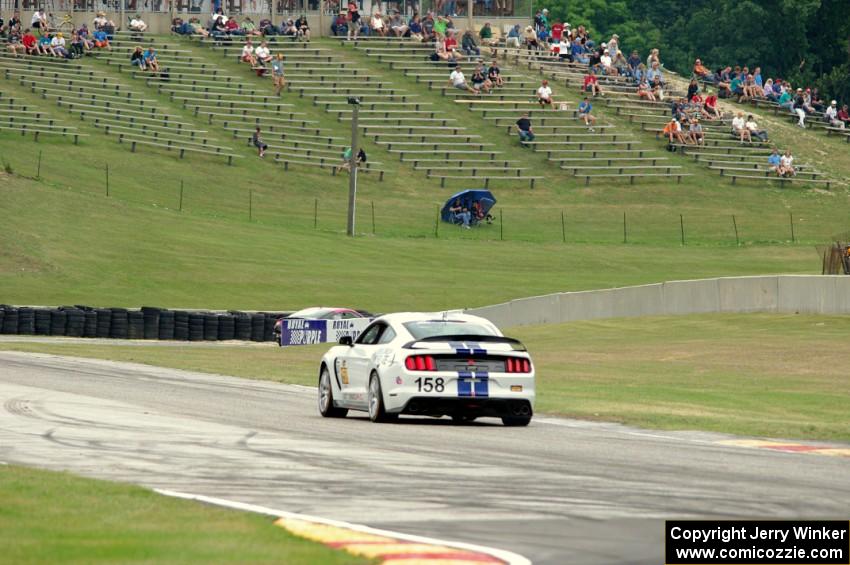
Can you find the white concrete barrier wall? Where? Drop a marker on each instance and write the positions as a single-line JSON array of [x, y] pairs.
[[805, 294]]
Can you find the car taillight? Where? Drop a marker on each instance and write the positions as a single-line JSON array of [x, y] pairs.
[[420, 363], [514, 365]]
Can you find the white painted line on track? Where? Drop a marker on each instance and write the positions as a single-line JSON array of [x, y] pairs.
[[507, 556]]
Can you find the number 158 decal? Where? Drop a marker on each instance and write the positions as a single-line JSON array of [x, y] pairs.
[[430, 384]]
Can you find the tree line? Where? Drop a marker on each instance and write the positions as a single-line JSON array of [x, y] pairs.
[[804, 41]]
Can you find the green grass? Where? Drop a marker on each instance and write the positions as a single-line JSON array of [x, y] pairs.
[[50, 517], [66, 242], [756, 374]]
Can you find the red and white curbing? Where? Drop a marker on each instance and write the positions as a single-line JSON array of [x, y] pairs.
[[391, 548]]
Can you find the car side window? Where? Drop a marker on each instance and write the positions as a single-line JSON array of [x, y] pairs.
[[387, 336], [370, 335], [347, 315]]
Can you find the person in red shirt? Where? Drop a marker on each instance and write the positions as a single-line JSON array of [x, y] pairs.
[[591, 83], [30, 43], [710, 107], [451, 47], [844, 115]]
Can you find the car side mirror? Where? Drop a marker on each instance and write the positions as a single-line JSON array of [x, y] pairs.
[[346, 340]]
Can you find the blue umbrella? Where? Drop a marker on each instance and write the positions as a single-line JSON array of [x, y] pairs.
[[484, 198]]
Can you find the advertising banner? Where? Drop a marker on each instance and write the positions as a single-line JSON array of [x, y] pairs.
[[303, 331]]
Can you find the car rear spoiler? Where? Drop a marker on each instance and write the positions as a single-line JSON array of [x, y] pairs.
[[515, 344]]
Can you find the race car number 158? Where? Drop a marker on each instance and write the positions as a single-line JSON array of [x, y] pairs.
[[431, 384]]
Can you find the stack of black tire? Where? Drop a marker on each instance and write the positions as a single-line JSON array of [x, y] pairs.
[[146, 323]]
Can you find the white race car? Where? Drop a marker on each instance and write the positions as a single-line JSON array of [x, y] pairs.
[[430, 365]]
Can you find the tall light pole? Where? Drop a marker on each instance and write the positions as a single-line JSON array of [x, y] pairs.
[[352, 175]]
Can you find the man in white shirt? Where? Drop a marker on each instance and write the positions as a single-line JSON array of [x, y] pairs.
[[786, 165], [377, 24], [753, 127], [544, 95], [248, 53], [831, 115], [39, 21], [264, 56], [739, 127], [137, 24], [458, 81]]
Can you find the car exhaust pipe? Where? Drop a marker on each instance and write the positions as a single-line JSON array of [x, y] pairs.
[[524, 410], [413, 408]]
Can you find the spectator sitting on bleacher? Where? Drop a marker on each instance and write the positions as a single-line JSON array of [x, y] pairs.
[[397, 25], [844, 115], [457, 80], [231, 27], [13, 25], [634, 63], [774, 161], [288, 28], [769, 93], [303, 28], [415, 28], [30, 44], [99, 21], [346, 159], [58, 45], [812, 102], [468, 45], [39, 22], [591, 83], [248, 53], [831, 116], [263, 54], [138, 24], [339, 26], [723, 79], [673, 132], [101, 40], [441, 28], [137, 58], [654, 72], [739, 128], [250, 28], [13, 43], [218, 25], [530, 38], [45, 46], [440, 53], [653, 58], [584, 113], [607, 63], [640, 74], [754, 130], [544, 95], [579, 52], [377, 24], [267, 28], [150, 59], [786, 165], [702, 72], [480, 81], [495, 74], [695, 133], [257, 141], [709, 107], [486, 36], [644, 91], [523, 126], [450, 44], [693, 88], [428, 27], [196, 28], [657, 89]]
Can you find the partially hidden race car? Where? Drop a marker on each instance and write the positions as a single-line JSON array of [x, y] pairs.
[[321, 313], [424, 364]]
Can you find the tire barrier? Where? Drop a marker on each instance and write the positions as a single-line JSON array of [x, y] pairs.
[[145, 323]]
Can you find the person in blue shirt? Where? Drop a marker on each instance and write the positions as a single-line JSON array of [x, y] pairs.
[[774, 161], [584, 110], [150, 59]]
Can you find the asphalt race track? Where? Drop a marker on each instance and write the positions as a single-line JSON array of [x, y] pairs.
[[559, 491]]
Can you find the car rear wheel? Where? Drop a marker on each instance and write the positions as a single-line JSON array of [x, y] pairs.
[[377, 412], [516, 421], [326, 397]]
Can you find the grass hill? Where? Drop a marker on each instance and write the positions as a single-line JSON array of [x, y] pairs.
[[66, 241]]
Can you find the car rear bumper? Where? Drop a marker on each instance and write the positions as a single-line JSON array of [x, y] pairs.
[[439, 406]]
